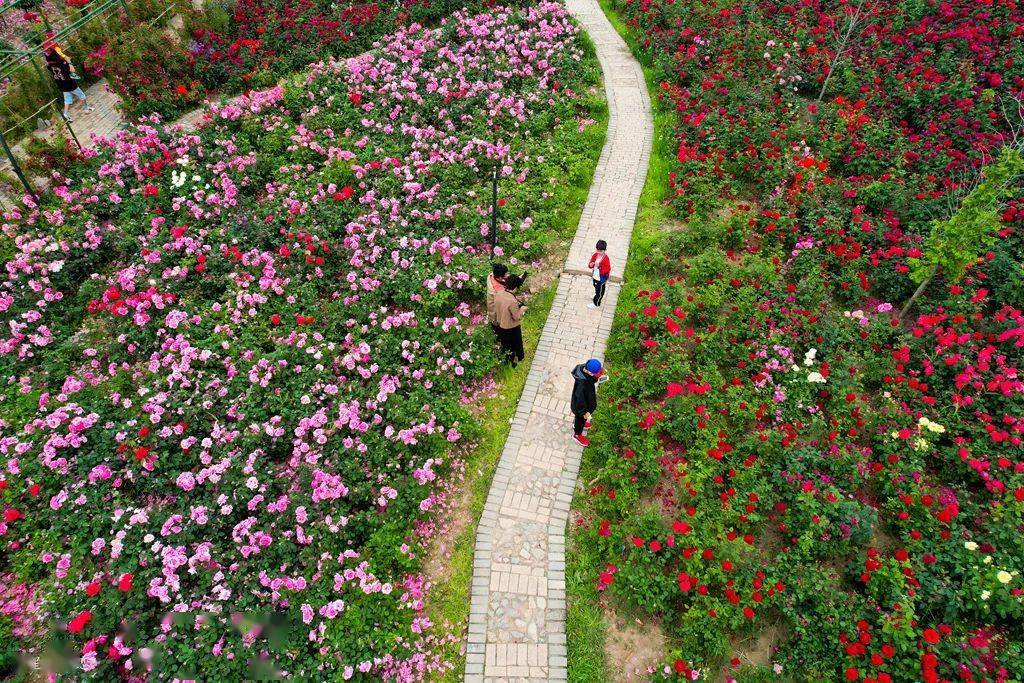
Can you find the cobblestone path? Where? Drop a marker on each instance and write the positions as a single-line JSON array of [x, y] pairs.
[[517, 610]]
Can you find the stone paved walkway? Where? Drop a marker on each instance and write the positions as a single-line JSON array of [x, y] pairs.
[[517, 610], [105, 121]]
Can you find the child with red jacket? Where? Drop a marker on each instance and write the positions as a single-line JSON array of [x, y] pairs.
[[602, 269]]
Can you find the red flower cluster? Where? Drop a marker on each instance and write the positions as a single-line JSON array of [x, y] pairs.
[[770, 387]]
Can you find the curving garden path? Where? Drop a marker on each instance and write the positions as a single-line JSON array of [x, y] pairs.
[[518, 609]]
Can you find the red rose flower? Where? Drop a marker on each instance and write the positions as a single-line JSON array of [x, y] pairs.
[[79, 622]]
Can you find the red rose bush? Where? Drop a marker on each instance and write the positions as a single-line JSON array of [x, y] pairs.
[[815, 429]]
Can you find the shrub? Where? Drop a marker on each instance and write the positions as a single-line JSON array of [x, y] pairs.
[[818, 463], [249, 353]]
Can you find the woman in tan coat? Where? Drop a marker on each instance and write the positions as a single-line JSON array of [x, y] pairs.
[[495, 282], [508, 316]]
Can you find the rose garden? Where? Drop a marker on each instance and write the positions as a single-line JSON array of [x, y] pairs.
[[254, 424]]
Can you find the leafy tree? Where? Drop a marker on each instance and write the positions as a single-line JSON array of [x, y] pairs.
[[954, 243]]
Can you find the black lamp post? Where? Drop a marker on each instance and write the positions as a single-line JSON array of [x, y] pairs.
[[490, 167], [494, 209]]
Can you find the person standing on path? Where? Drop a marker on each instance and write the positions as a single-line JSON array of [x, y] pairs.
[[602, 270], [64, 76], [584, 397], [508, 316], [495, 283]]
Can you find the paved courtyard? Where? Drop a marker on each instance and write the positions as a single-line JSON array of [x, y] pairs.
[[517, 612]]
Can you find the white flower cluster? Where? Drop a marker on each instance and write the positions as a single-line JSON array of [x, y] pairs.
[[179, 178], [1003, 576], [924, 425], [814, 376]]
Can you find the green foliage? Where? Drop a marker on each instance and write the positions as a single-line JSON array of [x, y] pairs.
[[56, 153], [957, 242], [8, 648], [27, 92], [149, 77]]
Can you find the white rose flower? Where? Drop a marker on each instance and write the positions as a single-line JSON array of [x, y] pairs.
[[1004, 577]]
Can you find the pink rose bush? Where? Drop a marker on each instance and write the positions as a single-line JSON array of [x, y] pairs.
[[235, 360]]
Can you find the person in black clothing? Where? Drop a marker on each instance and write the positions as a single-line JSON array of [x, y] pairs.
[[584, 397], [63, 75]]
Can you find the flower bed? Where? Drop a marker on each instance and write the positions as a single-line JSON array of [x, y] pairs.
[[232, 47], [237, 361], [167, 62], [779, 454]]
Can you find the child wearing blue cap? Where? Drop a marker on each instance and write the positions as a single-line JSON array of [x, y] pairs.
[[584, 397]]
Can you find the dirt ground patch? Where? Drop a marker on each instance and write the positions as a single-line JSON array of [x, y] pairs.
[[544, 271], [759, 650], [436, 566], [633, 649]]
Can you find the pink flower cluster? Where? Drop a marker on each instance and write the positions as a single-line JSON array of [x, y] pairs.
[[235, 359]]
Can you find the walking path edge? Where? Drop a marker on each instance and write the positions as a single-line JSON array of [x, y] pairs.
[[518, 601]]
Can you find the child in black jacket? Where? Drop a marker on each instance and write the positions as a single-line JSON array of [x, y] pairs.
[[584, 397]]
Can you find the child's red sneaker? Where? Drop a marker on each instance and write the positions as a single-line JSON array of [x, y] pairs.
[[581, 440]]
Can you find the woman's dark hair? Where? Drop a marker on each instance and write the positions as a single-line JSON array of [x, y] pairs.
[[499, 269], [601, 245], [512, 282]]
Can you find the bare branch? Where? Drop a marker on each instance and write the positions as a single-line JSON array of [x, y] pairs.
[[863, 9]]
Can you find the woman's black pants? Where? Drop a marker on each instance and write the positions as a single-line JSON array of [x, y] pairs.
[[511, 341]]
